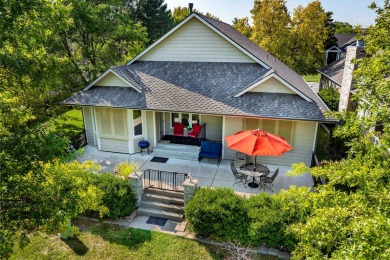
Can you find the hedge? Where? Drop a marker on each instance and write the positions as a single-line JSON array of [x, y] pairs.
[[260, 220], [218, 213], [118, 198]]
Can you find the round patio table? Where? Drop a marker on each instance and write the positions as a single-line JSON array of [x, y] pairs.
[[254, 171]]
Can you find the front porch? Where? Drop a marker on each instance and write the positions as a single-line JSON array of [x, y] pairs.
[[208, 173]]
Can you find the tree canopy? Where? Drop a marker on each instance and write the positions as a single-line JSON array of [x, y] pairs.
[[180, 13], [299, 41], [350, 217], [242, 25], [271, 31], [154, 15], [308, 36], [344, 27], [49, 50]]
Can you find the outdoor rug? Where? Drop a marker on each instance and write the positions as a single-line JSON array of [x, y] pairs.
[[157, 221], [159, 159]]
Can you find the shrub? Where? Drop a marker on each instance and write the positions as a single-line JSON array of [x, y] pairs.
[[331, 97], [118, 195], [323, 144], [126, 168], [267, 223], [219, 213]]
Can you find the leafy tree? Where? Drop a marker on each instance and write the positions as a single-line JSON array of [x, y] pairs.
[[351, 212], [54, 49], [344, 27], [331, 97], [331, 28], [48, 49], [308, 34], [154, 15], [101, 35], [242, 25], [44, 199], [271, 22], [180, 13]]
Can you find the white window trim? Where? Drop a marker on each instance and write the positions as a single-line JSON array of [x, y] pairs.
[[180, 118], [119, 137]]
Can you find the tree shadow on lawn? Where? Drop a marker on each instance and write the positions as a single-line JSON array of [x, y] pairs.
[[76, 245], [130, 237]]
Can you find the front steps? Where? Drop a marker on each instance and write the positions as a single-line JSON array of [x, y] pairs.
[[163, 204], [176, 151]]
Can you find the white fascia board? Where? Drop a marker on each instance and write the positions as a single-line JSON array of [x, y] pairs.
[[208, 25], [333, 48], [273, 75], [116, 74]]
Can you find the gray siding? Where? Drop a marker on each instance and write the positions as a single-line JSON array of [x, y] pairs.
[[158, 128], [168, 128], [150, 129], [88, 124], [232, 126], [114, 145], [194, 41], [213, 127]]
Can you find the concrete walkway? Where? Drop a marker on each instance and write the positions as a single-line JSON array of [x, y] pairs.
[[208, 173]]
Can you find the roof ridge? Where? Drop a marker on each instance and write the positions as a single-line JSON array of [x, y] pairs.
[[202, 15]]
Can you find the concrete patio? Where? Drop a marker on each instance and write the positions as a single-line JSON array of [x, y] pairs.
[[208, 173]]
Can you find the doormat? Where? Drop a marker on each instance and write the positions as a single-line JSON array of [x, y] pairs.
[[159, 159], [156, 221]]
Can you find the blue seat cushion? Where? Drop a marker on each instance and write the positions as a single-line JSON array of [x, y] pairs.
[[204, 154], [216, 150]]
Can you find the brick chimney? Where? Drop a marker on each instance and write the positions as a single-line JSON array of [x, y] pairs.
[[346, 83]]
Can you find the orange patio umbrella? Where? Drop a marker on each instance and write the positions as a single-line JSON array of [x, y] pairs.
[[258, 142]]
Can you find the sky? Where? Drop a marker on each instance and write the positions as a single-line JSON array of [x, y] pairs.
[[354, 12]]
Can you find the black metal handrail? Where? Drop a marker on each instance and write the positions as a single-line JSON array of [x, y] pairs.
[[164, 180]]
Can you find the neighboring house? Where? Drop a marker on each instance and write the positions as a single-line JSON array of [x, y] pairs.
[[344, 40], [338, 75], [206, 71]]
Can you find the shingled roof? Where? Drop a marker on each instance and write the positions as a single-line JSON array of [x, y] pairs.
[[208, 87], [197, 87], [344, 39], [334, 71]]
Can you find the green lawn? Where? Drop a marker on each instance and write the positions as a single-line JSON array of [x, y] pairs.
[[312, 78], [102, 241], [69, 123]]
